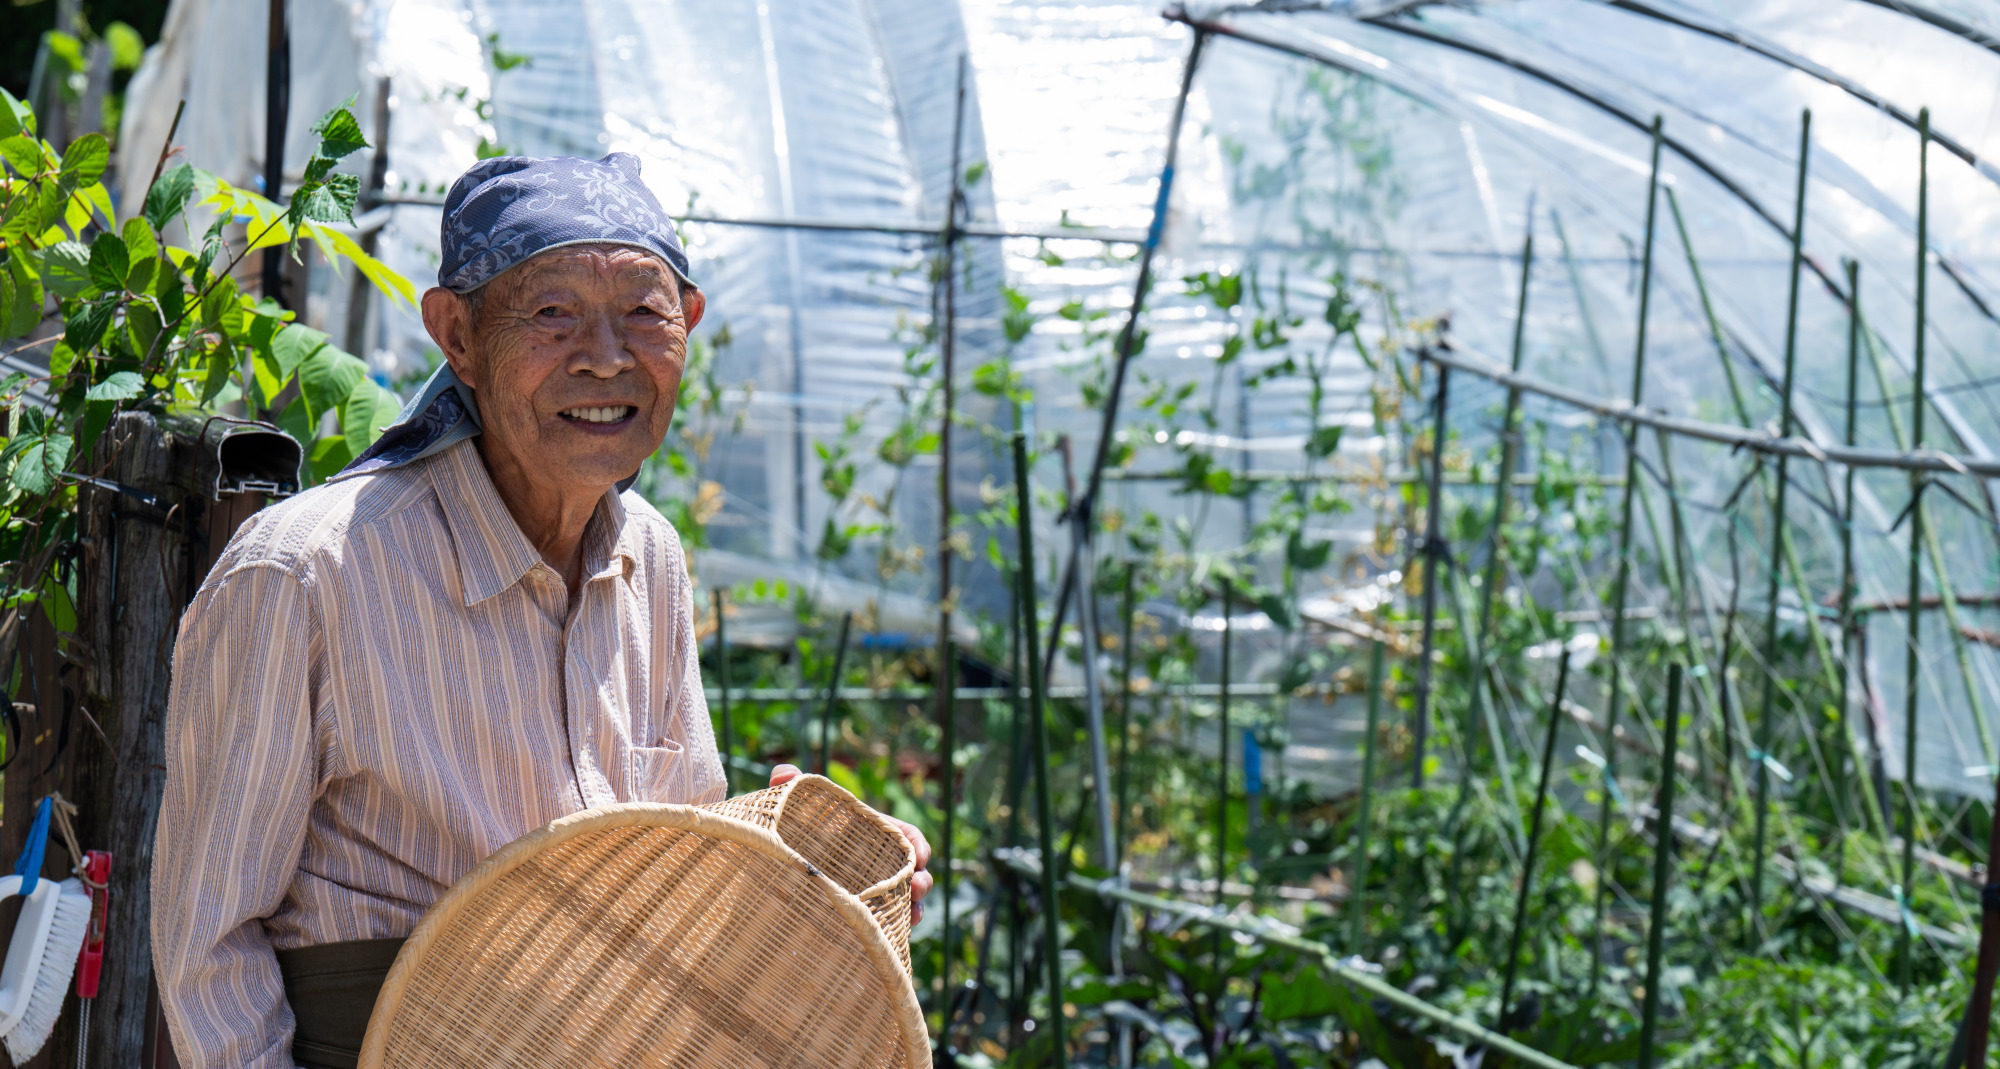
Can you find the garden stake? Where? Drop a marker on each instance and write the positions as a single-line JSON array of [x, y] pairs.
[[1624, 570], [1847, 533], [1510, 448], [1376, 682], [1911, 666], [1044, 804], [1222, 746], [722, 677], [832, 695], [1534, 841], [1124, 711], [1663, 867], [1979, 1014], [277, 108], [1433, 509], [1760, 759], [946, 707]]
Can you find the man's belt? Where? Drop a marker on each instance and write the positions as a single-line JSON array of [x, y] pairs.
[[332, 989]]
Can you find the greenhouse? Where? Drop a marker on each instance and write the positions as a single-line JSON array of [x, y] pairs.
[[1363, 534]]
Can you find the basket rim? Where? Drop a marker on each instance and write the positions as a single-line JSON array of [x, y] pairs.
[[911, 1028]]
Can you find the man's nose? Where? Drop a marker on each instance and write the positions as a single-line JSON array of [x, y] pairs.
[[600, 347]]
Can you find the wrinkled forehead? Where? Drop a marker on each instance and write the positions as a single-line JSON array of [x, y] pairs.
[[587, 267]]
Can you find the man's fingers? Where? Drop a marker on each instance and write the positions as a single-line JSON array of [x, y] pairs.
[[917, 840], [784, 774], [920, 885]]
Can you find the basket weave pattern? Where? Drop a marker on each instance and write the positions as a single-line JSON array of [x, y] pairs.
[[767, 930]]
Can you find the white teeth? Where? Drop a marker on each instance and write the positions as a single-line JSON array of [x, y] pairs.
[[598, 414]]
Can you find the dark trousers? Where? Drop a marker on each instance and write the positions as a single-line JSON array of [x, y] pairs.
[[332, 989]]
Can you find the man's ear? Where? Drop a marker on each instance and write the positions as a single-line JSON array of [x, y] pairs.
[[693, 304], [448, 319]]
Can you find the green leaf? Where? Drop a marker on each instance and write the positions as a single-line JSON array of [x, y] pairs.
[[222, 361], [23, 154], [8, 292], [82, 331], [1323, 442], [367, 410], [119, 386], [14, 115], [127, 47], [110, 262], [296, 421], [61, 358], [291, 346], [1277, 608], [327, 378], [339, 133], [83, 162], [331, 201], [169, 196], [24, 303], [1306, 556], [141, 241], [329, 455], [1306, 995], [41, 464], [66, 268], [96, 416]]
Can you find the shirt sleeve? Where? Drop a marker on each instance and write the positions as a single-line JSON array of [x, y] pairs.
[[242, 772]]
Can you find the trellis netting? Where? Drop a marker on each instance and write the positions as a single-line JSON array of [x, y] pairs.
[[1398, 153]]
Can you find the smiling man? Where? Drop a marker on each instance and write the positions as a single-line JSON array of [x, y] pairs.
[[470, 632]]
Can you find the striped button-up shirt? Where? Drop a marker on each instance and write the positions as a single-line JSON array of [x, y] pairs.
[[380, 683]]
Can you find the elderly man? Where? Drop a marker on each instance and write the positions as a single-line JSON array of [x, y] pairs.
[[468, 633]]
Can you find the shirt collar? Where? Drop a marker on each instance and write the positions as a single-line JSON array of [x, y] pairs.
[[493, 554]]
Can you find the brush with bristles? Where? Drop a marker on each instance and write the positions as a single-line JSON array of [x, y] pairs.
[[67, 931]]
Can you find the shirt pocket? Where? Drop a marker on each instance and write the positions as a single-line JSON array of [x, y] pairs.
[[659, 773]]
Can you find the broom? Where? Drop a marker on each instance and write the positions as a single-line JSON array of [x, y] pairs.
[[67, 929]]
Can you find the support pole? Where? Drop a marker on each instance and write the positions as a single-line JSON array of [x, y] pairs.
[[1761, 759], [1912, 665], [1124, 773], [722, 677], [1355, 894], [947, 658], [1045, 812], [1222, 745], [1534, 841], [1623, 580], [832, 696], [1663, 869], [277, 109], [1433, 560], [1847, 542]]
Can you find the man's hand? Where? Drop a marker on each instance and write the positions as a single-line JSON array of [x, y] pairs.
[[920, 884]]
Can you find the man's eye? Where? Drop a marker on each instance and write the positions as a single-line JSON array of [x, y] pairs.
[[642, 310], [551, 312]]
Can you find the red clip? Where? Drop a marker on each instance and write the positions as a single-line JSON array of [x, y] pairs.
[[97, 879]]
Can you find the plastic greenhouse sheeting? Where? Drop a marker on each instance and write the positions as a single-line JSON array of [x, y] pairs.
[[1411, 146]]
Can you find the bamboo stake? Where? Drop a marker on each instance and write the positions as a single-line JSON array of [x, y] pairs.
[[1045, 812], [1761, 759], [1534, 841], [1433, 518], [1358, 891], [1624, 570], [722, 676], [1847, 537], [832, 696], [947, 712], [1911, 662], [1663, 867]]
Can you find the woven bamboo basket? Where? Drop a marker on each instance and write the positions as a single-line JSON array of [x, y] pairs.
[[772, 929]]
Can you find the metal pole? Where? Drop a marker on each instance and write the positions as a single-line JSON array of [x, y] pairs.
[[1847, 538], [1433, 560], [1124, 773], [946, 664], [1093, 695], [1534, 841], [832, 695], [1624, 570], [722, 676], [1044, 806], [1222, 745], [1355, 913], [1760, 760], [1663, 868], [1911, 664], [277, 109]]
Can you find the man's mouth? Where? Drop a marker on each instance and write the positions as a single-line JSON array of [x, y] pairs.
[[599, 413]]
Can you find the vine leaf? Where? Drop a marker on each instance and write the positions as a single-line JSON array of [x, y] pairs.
[[169, 196], [41, 464], [119, 386], [85, 159]]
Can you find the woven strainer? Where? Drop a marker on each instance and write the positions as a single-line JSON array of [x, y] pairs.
[[772, 929]]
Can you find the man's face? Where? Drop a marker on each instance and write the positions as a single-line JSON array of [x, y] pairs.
[[576, 356]]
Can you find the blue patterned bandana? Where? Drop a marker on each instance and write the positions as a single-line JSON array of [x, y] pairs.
[[500, 213]]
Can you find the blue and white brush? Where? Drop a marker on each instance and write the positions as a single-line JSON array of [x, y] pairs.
[[67, 930]]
